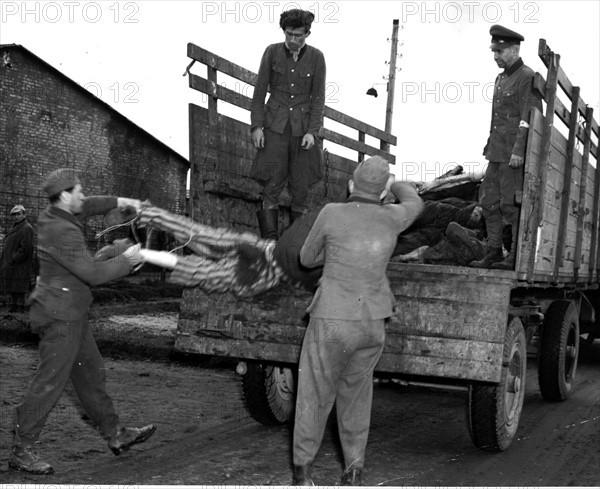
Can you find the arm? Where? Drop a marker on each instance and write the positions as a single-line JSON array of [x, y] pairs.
[[69, 250], [410, 205], [96, 205], [317, 97], [312, 253], [257, 107], [529, 97]]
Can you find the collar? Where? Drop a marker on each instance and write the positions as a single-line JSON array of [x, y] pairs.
[[296, 54], [18, 224], [363, 198], [514, 67], [58, 212]]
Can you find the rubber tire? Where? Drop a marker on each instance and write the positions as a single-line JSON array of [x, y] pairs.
[[559, 351], [494, 411], [270, 399]]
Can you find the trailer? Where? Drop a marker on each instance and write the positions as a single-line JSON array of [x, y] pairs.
[[454, 326]]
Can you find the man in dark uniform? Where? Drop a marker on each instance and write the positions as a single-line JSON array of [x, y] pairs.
[[353, 241], [59, 314], [17, 257], [514, 97], [286, 128]]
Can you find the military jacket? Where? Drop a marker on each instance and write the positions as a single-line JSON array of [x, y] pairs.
[[297, 91], [514, 96], [67, 267]]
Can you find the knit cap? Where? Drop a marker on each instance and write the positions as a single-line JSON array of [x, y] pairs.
[[371, 175]]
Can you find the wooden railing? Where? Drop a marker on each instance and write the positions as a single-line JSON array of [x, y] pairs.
[[211, 87], [573, 199]]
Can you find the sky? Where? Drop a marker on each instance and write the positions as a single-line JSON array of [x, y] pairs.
[[133, 54]]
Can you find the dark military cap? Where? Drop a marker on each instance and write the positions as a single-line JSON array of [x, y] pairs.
[[503, 37]]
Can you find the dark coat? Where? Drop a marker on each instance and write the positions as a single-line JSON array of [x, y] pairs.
[[67, 267], [17, 257], [514, 97]]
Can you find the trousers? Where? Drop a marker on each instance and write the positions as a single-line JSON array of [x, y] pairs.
[[282, 161], [498, 198], [337, 361], [67, 350]]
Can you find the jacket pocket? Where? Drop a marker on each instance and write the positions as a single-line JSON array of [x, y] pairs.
[[62, 303], [278, 75], [305, 78]]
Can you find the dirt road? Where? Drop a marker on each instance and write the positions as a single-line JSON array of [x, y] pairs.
[[418, 437]]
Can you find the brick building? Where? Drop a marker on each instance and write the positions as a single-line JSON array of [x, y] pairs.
[[48, 121]]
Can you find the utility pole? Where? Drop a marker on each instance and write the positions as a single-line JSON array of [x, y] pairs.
[[389, 110]]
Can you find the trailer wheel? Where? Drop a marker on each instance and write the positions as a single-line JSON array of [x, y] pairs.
[[494, 410], [559, 350], [270, 393]]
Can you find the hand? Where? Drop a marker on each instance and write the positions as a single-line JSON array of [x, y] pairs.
[[124, 202], [308, 141], [258, 138], [516, 161], [134, 257]]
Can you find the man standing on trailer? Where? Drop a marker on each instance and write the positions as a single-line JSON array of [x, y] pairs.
[[285, 129], [501, 190]]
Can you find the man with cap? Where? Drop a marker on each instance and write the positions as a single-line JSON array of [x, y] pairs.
[[17, 256], [514, 97], [353, 241], [285, 130], [59, 314]]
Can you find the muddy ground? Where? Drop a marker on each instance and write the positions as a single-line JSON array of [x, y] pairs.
[[419, 435]]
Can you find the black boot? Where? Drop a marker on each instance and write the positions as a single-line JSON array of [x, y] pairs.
[[302, 476], [494, 255], [509, 262], [268, 223]]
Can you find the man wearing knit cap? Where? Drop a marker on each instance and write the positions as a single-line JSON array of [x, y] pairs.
[[59, 314], [514, 97], [16, 260], [353, 241]]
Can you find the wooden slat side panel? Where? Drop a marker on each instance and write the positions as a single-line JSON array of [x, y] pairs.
[[222, 150], [236, 71], [459, 368], [444, 358]]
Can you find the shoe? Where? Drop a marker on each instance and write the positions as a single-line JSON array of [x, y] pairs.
[[125, 438], [507, 264], [302, 476], [26, 460], [352, 477], [494, 255]]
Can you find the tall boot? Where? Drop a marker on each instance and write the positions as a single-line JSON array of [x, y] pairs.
[[509, 262], [268, 223]]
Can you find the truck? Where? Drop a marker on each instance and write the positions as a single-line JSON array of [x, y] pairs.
[[454, 325]]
